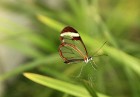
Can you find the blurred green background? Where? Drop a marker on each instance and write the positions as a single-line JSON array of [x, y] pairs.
[[29, 41]]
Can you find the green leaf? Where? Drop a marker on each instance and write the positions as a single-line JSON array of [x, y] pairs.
[[62, 86], [50, 22], [124, 58], [58, 85]]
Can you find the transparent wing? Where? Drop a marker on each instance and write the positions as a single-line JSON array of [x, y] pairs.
[[70, 53], [72, 47]]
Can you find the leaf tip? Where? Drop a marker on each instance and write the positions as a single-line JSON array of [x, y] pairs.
[[26, 74]]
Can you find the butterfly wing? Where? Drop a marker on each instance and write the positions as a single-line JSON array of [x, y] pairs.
[[72, 48]]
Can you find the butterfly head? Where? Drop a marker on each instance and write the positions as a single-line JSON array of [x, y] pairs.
[[88, 59]]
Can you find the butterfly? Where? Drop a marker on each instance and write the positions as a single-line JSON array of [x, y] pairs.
[[72, 48]]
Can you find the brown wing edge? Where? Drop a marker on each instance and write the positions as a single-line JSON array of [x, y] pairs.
[[68, 29], [71, 29], [71, 60]]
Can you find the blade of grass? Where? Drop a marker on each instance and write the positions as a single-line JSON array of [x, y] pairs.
[[90, 89], [50, 22], [58, 85], [69, 88], [125, 59]]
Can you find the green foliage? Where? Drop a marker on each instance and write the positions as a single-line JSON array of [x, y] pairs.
[[59, 85], [97, 21]]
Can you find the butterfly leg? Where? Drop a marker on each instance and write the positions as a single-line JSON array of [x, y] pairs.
[[92, 65], [80, 71], [90, 80]]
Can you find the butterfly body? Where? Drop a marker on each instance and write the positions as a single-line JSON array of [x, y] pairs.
[[72, 48]]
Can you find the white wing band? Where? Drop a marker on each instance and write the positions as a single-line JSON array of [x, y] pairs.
[[70, 34]]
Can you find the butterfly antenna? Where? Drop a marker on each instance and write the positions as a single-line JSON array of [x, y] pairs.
[[100, 55], [100, 48]]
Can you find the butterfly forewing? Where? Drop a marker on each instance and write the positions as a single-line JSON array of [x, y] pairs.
[[72, 48]]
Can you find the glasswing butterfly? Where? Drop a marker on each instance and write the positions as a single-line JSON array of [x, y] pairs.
[[72, 48]]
